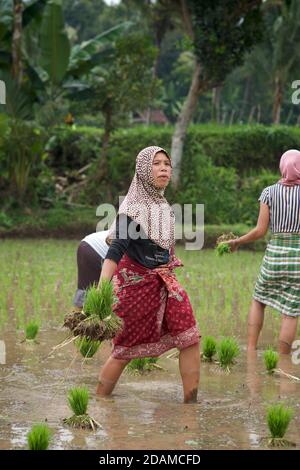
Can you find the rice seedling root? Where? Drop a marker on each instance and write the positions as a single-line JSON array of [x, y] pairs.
[[278, 442], [91, 327], [82, 422]]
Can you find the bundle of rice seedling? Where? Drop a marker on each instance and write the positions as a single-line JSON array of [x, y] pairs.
[[271, 359], [78, 399], [221, 246], [38, 437], [73, 319], [87, 347], [90, 328], [97, 320], [31, 330], [209, 347], [227, 350], [143, 364], [278, 418]]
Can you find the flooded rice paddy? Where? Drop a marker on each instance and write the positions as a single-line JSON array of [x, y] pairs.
[[38, 279]]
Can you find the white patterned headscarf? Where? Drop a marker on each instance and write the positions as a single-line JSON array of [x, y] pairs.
[[146, 204]]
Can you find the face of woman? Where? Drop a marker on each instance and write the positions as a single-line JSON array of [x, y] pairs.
[[161, 169]]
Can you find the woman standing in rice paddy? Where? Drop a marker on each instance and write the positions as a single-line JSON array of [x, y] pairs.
[[278, 283], [156, 312]]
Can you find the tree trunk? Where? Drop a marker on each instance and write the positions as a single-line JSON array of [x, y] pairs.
[[258, 118], [182, 123], [216, 101], [245, 99], [289, 117], [231, 117], [186, 18], [250, 119], [17, 68], [278, 96]]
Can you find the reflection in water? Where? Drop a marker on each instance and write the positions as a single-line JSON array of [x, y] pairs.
[[253, 379], [19, 435], [287, 386]]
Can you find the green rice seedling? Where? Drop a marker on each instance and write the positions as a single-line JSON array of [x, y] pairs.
[[99, 302], [39, 437], [223, 248], [227, 351], [112, 325], [278, 418], [142, 364], [87, 347], [31, 330], [97, 321], [78, 399], [271, 359], [209, 347]]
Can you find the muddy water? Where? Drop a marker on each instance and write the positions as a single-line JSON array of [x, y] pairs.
[[145, 412]]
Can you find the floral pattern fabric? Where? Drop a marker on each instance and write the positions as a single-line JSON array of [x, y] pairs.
[[156, 311]]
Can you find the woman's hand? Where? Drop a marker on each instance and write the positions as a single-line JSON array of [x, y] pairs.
[[108, 270], [233, 244]]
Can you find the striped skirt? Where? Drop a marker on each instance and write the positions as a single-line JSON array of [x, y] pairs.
[[278, 283]]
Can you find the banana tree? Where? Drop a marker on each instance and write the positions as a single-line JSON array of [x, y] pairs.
[[51, 67], [126, 84], [50, 64], [57, 64]]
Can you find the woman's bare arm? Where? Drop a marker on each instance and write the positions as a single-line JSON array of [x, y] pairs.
[[258, 232], [108, 270]]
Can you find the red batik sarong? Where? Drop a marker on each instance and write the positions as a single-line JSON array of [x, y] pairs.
[[155, 309]]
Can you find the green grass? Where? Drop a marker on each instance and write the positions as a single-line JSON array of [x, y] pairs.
[[271, 359], [87, 347], [209, 347], [31, 330], [78, 399], [227, 350], [39, 437], [38, 280], [278, 418]]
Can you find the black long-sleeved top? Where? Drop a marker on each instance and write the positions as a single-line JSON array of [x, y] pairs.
[[142, 250]]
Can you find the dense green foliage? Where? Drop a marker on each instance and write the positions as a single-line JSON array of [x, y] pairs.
[[83, 78], [224, 168]]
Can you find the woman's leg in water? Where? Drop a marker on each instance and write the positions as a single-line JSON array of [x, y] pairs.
[[189, 366], [287, 333], [109, 375], [255, 323]]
